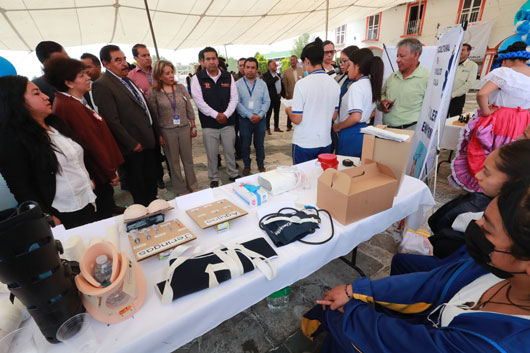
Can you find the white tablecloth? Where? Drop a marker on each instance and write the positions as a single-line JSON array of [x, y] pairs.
[[451, 134], [164, 328]]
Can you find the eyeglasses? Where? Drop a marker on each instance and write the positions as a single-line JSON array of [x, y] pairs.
[[329, 52]]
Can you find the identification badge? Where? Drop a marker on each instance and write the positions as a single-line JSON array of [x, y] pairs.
[[251, 105], [176, 119]]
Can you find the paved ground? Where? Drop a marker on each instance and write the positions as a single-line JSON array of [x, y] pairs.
[[257, 329]]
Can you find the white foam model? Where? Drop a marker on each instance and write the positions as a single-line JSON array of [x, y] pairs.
[[277, 182], [74, 248], [112, 236]]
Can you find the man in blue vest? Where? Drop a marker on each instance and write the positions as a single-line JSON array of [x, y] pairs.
[[215, 95]]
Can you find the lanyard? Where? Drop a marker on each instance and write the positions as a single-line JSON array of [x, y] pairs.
[[173, 99], [318, 71], [82, 101], [253, 86]]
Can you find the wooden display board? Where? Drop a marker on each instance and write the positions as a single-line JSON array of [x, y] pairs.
[[163, 237], [215, 213]]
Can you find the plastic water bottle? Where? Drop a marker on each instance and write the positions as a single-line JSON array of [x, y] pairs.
[[102, 274], [117, 298], [279, 300], [103, 270]]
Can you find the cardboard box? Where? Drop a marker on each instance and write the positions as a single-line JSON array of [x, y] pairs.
[[390, 153], [356, 193]]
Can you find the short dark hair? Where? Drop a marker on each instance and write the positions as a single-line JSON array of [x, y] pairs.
[[294, 56], [222, 64], [46, 48], [314, 52], [269, 61], [207, 50], [468, 46], [58, 70], [92, 57], [241, 59], [326, 42], [135, 48], [104, 53], [252, 60], [201, 54], [514, 208], [348, 51]]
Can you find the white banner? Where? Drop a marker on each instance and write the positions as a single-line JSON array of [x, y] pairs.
[[435, 104], [477, 35]]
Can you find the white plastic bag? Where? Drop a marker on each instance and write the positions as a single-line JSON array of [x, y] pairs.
[[415, 242]]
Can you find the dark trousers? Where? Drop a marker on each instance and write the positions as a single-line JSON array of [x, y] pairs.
[[237, 145], [275, 104], [456, 107], [77, 218], [140, 168], [247, 130], [301, 155], [104, 199]]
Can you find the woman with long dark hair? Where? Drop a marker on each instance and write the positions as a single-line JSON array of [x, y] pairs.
[[357, 105], [103, 156], [38, 159], [475, 305]]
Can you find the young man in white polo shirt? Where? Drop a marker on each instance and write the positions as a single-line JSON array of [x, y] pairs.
[[315, 106]]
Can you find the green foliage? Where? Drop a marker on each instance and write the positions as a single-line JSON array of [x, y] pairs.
[[285, 63], [299, 44], [262, 62]]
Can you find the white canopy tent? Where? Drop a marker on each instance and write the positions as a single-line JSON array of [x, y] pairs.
[[178, 24]]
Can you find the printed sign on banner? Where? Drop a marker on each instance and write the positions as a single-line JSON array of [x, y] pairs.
[[435, 104]]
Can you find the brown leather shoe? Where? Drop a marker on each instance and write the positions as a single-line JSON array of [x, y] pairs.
[[261, 169], [289, 128], [246, 171], [269, 132], [277, 130]]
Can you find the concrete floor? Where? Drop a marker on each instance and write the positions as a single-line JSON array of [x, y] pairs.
[[257, 329]]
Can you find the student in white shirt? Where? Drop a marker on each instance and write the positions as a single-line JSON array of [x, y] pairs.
[[315, 104], [357, 105]]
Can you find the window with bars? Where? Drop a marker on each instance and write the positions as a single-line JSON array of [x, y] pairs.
[[340, 35], [414, 19], [470, 11], [372, 28]]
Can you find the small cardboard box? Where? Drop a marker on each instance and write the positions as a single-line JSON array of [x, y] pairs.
[[356, 193], [390, 153]]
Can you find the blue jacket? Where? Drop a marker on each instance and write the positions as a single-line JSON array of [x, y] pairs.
[[399, 322]]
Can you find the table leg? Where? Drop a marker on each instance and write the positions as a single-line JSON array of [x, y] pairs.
[[446, 161], [351, 262]]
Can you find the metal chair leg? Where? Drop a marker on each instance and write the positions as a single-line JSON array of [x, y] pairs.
[[352, 263]]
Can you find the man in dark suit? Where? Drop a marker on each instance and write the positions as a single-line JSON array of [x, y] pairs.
[[125, 110], [275, 86]]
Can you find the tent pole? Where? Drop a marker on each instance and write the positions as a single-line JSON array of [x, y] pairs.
[[327, 18], [151, 26]]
